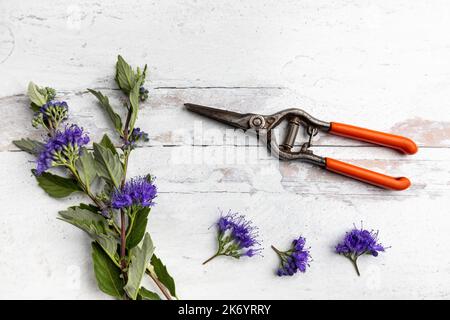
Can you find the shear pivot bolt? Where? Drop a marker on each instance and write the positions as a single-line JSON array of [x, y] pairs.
[[257, 121]]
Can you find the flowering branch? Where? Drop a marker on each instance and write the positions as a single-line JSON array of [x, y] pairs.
[[295, 259], [236, 237], [358, 242], [121, 254]]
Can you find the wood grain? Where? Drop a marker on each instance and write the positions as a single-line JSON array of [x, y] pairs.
[[172, 124]]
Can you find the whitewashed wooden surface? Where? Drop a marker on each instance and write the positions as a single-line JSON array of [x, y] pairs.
[[381, 64]]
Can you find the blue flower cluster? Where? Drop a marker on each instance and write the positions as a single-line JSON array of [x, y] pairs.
[[240, 236], [136, 136], [237, 237], [52, 107], [138, 191], [295, 259], [143, 93], [63, 148], [358, 242], [51, 114]]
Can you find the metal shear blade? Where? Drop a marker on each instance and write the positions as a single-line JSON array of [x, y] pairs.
[[263, 125], [234, 119]]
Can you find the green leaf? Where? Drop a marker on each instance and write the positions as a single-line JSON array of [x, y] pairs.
[[163, 275], [34, 107], [104, 103], [145, 294], [107, 143], [93, 224], [141, 75], [86, 167], [89, 207], [138, 227], [144, 75], [109, 166], [106, 273], [35, 95], [125, 76], [134, 104], [28, 145], [56, 186], [139, 261]]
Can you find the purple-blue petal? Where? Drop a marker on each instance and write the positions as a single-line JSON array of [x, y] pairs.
[[295, 259], [71, 135], [138, 191], [360, 241], [243, 233]]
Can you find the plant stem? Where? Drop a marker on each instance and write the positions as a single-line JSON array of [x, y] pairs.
[[123, 235], [127, 124], [355, 264], [276, 250], [130, 225], [208, 260], [115, 226], [84, 187], [161, 287], [122, 243], [125, 168], [51, 129], [127, 152]]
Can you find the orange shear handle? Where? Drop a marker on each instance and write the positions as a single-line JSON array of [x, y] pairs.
[[367, 176], [381, 138]]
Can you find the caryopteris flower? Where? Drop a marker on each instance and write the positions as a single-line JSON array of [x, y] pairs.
[[143, 93], [51, 114], [139, 191], [237, 237], [62, 149], [358, 242], [295, 259], [137, 135]]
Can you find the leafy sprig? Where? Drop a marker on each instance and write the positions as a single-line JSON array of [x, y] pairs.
[[122, 250]]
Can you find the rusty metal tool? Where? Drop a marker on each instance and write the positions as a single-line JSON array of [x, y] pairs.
[[264, 124]]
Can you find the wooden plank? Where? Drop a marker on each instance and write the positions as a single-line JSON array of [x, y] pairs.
[[313, 46], [168, 123], [58, 260], [245, 171]]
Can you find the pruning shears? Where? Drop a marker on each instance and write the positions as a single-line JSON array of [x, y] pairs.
[[264, 124]]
